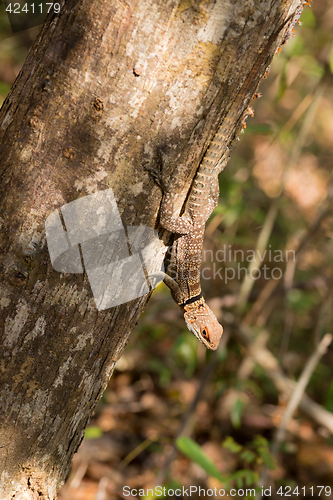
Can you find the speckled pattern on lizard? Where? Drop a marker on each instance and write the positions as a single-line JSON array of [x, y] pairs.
[[183, 273]]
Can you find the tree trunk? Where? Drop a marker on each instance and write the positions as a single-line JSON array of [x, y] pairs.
[[108, 90]]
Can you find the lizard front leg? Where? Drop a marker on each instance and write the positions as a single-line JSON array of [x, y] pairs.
[[169, 188], [170, 222], [183, 276]]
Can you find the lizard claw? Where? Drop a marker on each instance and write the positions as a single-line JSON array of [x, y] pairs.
[[155, 174]]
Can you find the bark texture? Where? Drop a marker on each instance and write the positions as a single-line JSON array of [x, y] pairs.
[[108, 89]]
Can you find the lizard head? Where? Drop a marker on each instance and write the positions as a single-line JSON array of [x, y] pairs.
[[201, 321]]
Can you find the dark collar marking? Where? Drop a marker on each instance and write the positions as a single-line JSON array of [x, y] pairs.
[[193, 299]]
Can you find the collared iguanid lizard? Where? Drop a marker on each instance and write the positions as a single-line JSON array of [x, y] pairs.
[[183, 276], [183, 273]]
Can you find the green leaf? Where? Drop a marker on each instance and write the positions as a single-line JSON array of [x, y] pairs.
[[230, 444], [329, 398], [308, 19], [300, 300], [264, 453], [192, 450], [248, 456], [93, 432], [283, 84], [244, 475], [236, 413], [260, 441], [4, 88], [251, 478], [331, 61], [162, 370], [267, 458]]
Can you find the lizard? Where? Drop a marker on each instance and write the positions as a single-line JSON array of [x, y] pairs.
[[183, 272]]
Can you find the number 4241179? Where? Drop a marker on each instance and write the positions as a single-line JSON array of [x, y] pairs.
[[318, 491], [16, 8]]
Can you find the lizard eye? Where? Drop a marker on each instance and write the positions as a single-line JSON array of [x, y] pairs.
[[204, 332]]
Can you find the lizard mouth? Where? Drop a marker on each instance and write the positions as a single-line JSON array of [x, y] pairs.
[[202, 334]]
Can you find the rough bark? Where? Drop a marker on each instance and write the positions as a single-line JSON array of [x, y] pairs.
[[108, 89]]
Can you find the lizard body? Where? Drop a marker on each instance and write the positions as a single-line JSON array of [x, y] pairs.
[[183, 273]]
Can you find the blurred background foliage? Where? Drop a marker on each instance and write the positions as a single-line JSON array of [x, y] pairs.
[[175, 414]]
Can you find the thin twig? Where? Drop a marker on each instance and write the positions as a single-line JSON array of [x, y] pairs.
[[134, 453], [307, 106], [300, 388], [310, 109], [285, 385], [262, 299], [262, 241], [79, 474], [102, 487], [210, 367], [295, 399], [324, 211]]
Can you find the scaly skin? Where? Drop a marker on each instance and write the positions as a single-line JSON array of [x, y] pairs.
[[183, 274]]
